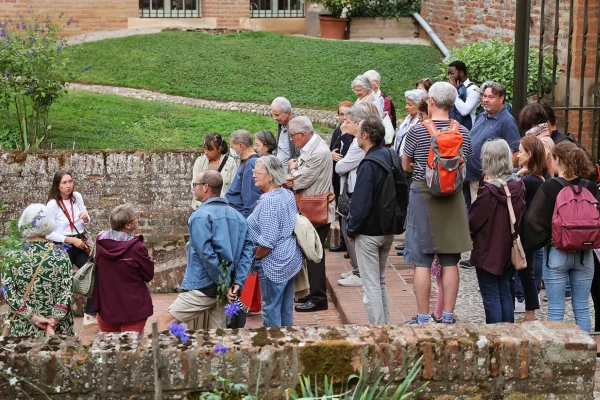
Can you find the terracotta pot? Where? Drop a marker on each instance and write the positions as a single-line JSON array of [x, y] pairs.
[[333, 28]]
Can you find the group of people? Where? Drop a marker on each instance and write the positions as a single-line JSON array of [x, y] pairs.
[[247, 194]]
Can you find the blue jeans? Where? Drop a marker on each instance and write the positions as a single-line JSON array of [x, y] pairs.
[[563, 267], [496, 295], [277, 300]]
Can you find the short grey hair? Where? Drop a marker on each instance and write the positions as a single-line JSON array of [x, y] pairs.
[[415, 95], [283, 104], [496, 158], [373, 75], [498, 89], [443, 95], [357, 113], [362, 81], [301, 124], [37, 220], [121, 215], [241, 136], [274, 168]]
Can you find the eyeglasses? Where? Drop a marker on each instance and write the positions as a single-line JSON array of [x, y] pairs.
[[199, 184], [137, 216], [294, 134], [257, 172]]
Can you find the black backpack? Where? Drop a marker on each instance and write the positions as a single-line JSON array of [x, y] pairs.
[[392, 197]]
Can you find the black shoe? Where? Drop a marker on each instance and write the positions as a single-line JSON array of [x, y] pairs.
[[400, 253], [303, 300], [309, 306], [400, 247], [465, 264], [346, 255], [341, 247]]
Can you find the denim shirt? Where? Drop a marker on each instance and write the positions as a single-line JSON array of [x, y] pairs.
[[218, 234], [243, 194]]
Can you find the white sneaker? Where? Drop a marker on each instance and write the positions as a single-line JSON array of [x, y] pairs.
[[89, 320], [352, 280], [519, 306], [347, 274]]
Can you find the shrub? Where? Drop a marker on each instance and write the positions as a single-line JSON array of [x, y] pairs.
[[386, 8], [34, 69], [493, 60]]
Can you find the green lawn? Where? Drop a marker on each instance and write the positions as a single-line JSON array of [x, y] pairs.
[[97, 121], [253, 66]]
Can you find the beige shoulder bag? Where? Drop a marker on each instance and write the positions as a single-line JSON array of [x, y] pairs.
[[517, 254]]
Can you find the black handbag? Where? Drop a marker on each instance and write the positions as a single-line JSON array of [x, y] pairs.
[[344, 200]]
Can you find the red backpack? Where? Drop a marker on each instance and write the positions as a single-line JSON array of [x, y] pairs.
[[446, 167], [576, 218]]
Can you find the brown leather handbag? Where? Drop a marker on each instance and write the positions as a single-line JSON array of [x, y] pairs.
[[315, 208]]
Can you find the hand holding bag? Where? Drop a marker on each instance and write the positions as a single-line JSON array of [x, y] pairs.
[[517, 254], [84, 278], [315, 208]]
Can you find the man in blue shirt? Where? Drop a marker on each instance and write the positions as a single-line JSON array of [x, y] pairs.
[[219, 257], [494, 122], [243, 194]]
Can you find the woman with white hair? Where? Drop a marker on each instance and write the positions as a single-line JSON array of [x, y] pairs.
[[413, 97], [277, 254], [362, 87], [38, 285], [491, 232]]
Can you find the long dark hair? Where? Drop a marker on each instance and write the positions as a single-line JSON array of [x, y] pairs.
[[536, 165], [54, 193], [214, 141]]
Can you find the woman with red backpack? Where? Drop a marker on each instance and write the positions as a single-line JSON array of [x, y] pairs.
[[564, 217]]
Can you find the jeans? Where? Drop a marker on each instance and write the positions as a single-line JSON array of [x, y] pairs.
[[372, 253], [496, 295], [277, 301], [539, 259], [78, 258], [351, 248], [563, 267]]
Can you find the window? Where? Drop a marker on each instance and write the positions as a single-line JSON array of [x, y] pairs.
[[170, 8], [277, 8]]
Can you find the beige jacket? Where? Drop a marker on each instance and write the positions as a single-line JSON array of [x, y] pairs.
[[315, 167], [228, 173]]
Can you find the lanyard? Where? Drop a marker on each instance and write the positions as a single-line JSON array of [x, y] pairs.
[[71, 217]]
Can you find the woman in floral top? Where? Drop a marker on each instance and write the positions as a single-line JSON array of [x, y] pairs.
[[46, 311]]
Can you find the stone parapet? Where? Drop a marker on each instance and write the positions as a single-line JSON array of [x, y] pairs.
[[530, 360]]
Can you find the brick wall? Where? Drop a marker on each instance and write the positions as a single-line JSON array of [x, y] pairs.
[[156, 182], [459, 22], [227, 12], [90, 15], [383, 28], [516, 361]]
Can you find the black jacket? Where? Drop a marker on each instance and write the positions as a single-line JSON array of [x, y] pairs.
[[369, 178]]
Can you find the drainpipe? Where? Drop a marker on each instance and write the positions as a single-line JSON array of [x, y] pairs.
[[433, 36]]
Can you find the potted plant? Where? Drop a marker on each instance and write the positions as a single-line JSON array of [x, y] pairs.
[[332, 25]]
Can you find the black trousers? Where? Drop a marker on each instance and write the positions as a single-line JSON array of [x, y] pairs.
[[596, 293], [316, 272], [79, 258], [527, 278]]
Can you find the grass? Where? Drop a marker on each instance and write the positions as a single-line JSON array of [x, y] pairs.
[[92, 121], [253, 66]]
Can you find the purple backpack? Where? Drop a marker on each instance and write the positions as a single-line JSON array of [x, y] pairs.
[[576, 219]]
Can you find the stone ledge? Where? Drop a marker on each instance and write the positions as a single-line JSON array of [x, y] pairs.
[[538, 359]]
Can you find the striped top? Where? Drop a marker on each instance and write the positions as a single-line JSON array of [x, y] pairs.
[[418, 142]]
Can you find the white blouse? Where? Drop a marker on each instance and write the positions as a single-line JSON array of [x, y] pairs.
[[62, 226]]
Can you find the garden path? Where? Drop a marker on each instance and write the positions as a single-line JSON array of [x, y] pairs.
[[321, 117]]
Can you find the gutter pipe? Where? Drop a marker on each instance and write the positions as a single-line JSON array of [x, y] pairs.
[[433, 36]]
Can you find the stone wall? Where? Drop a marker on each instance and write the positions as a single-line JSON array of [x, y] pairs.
[[383, 28], [510, 361], [158, 183]]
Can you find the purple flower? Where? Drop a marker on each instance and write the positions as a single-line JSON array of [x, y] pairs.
[[30, 90], [220, 349], [6, 73], [86, 69], [21, 26], [3, 32], [26, 246], [231, 310], [69, 22], [178, 330], [36, 219], [4, 290], [65, 247]]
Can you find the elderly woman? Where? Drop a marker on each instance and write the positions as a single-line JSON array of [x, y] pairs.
[[44, 308], [121, 297], [264, 143], [490, 228], [215, 157], [279, 258], [70, 217], [413, 97], [362, 87]]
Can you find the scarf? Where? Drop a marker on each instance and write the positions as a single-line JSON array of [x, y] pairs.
[[539, 130], [116, 235]]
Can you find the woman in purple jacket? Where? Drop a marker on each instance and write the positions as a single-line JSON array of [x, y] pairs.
[[489, 224], [123, 268]]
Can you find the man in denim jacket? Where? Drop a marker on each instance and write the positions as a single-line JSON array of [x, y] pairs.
[[219, 256]]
